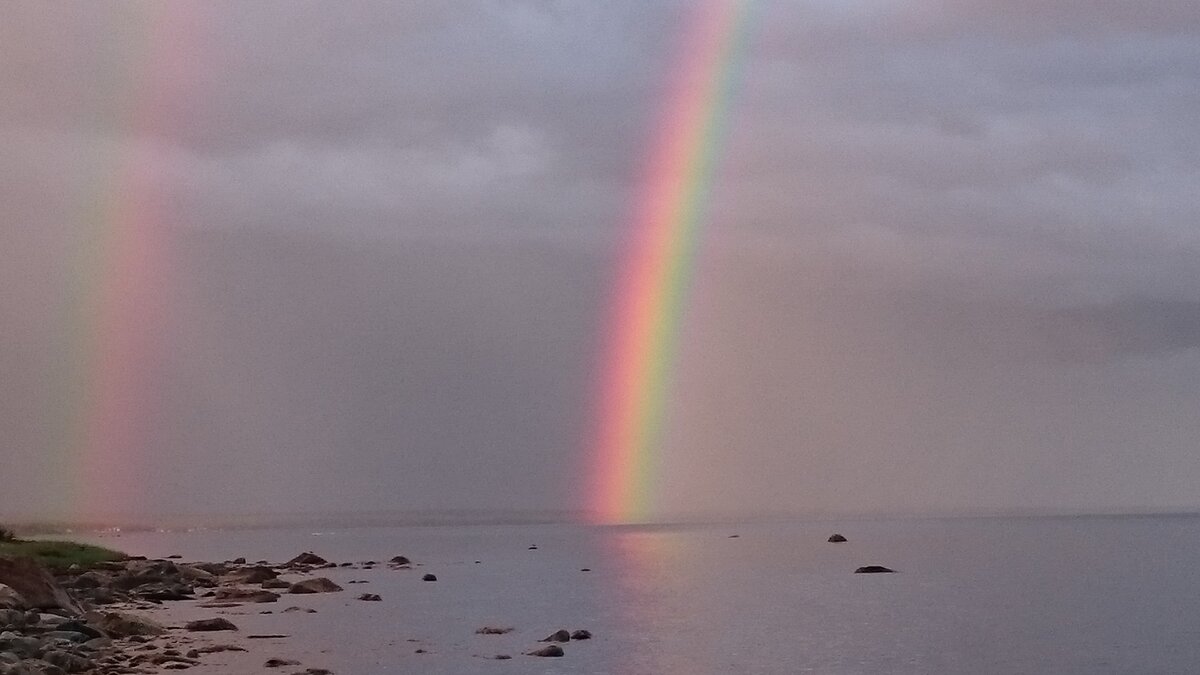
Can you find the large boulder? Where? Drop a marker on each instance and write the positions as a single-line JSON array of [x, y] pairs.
[[318, 585], [35, 585]]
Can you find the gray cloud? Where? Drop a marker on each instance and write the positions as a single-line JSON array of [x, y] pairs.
[[951, 259]]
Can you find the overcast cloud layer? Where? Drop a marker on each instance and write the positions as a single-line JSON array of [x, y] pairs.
[[953, 261]]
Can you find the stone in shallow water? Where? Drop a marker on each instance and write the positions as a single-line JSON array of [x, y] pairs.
[[560, 635], [548, 650], [429, 577], [307, 558], [836, 538], [873, 569], [581, 634]]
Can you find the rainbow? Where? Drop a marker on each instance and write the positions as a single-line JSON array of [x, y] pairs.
[[116, 300], [650, 295]]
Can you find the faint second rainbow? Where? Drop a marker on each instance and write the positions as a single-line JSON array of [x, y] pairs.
[[650, 294], [116, 302]]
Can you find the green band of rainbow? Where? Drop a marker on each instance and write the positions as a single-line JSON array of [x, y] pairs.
[[651, 291]]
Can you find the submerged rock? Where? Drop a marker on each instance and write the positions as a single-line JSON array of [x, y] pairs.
[[836, 538], [400, 560], [874, 569], [548, 650], [370, 597], [278, 663], [581, 634], [429, 577], [492, 630]]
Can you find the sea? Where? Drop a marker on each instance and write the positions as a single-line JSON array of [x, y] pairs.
[[1080, 594]]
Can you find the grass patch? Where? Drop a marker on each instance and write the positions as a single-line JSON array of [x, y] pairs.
[[60, 553]]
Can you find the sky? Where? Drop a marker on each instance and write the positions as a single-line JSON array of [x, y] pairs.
[[358, 257]]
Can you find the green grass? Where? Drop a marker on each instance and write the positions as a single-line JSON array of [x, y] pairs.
[[59, 553]]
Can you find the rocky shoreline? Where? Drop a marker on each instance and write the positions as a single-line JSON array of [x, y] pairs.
[[93, 620]]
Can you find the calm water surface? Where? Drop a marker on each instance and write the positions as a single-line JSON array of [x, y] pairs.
[[995, 595]]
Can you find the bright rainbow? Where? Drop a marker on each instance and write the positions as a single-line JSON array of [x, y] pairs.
[[651, 290]]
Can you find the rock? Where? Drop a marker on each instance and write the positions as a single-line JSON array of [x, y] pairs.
[[213, 649], [279, 663], [80, 627], [306, 558], [34, 585], [317, 585], [10, 598], [400, 560], [548, 650], [581, 634], [306, 610], [873, 569], [66, 660], [238, 561], [174, 556], [12, 619], [557, 636], [585, 569], [22, 646], [492, 630], [122, 624], [89, 580], [735, 536], [207, 625], [836, 538], [370, 597], [429, 577], [275, 583], [245, 595], [249, 575], [198, 575], [533, 547], [214, 569], [502, 657]]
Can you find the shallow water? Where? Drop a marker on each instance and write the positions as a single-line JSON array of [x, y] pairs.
[[988, 595]]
